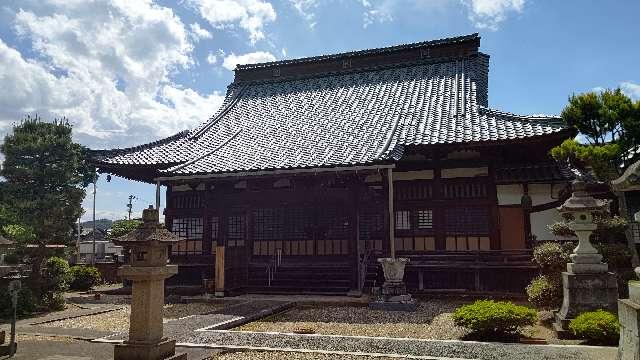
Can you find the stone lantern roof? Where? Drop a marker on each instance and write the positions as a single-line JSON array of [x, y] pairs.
[[580, 200], [150, 232]]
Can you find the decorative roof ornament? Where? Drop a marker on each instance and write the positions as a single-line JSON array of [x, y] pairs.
[[629, 180]]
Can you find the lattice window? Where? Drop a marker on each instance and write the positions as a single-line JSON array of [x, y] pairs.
[[464, 190], [188, 201], [412, 190], [403, 220], [236, 230], [268, 224], [470, 220], [215, 232], [371, 231], [191, 229], [425, 219]]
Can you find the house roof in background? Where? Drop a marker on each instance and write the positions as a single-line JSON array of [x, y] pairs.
[[345, 118]]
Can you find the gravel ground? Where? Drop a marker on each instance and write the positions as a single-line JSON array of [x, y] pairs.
[[432, 320], [118, 320], [457, 349], [270, 355]]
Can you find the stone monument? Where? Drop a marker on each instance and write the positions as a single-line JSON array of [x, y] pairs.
[[393, 294], [629, 317], [587, 284], [147, 269]]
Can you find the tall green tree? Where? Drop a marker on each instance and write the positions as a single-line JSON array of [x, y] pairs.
[[45, 175], [609, 125]]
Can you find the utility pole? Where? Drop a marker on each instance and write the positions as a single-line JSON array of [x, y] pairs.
[[130, 205], [93, 256]]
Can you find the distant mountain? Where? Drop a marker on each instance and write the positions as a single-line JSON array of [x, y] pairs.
[[102, 224]]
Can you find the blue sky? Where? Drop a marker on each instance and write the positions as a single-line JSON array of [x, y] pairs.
[[128, 72]]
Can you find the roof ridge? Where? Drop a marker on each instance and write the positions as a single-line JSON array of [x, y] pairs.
[[214, 120], [449, 40], [492, 111], [440, 60]]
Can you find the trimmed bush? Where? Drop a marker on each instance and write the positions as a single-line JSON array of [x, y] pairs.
[[489, 318], [551, 257], [545, 291], [26, 303], [599, 327], [56, 274], [54, 301], [84, 277]]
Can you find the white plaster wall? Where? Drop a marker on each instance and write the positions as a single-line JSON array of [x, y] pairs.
[[509, 194], [540, 194], [539, 222]]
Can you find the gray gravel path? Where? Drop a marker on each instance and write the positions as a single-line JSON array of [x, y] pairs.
[[456, 349]]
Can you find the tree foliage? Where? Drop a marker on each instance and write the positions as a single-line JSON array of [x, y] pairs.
[[609, 123], [123, 227], [45, 174]]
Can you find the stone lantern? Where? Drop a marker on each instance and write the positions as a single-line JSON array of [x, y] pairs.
[[587, 284], [147, 269]]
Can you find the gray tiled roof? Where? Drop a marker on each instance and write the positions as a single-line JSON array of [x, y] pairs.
[[338, 119]]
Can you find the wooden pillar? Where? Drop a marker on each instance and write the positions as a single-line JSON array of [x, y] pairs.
[[392, 240], [494, 226], [219, 271], [158, 195], [220, 254]]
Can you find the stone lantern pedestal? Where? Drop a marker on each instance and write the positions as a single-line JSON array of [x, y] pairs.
[[147, 270], [629, 317], [393, 294], [587, 284]]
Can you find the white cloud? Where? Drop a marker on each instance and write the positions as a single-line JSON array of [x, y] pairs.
[[105, 65], [249, 15], [630, 89], [488, 14], [232, 60], [484, 14], [306, 9], [198, 33], [212, 58]]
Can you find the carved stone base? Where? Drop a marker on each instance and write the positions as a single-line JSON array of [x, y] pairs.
[[163, 350], [585, 292], [392, 296]]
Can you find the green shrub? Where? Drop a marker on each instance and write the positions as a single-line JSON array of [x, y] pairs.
[[551, 257], [616, 255], [56, 275], [84, 277], [26, 303], [545, 291], [561, 228], [490, 318], [599, 327], [54, 301]]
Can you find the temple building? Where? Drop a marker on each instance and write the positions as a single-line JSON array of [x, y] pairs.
[[292, 185]]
